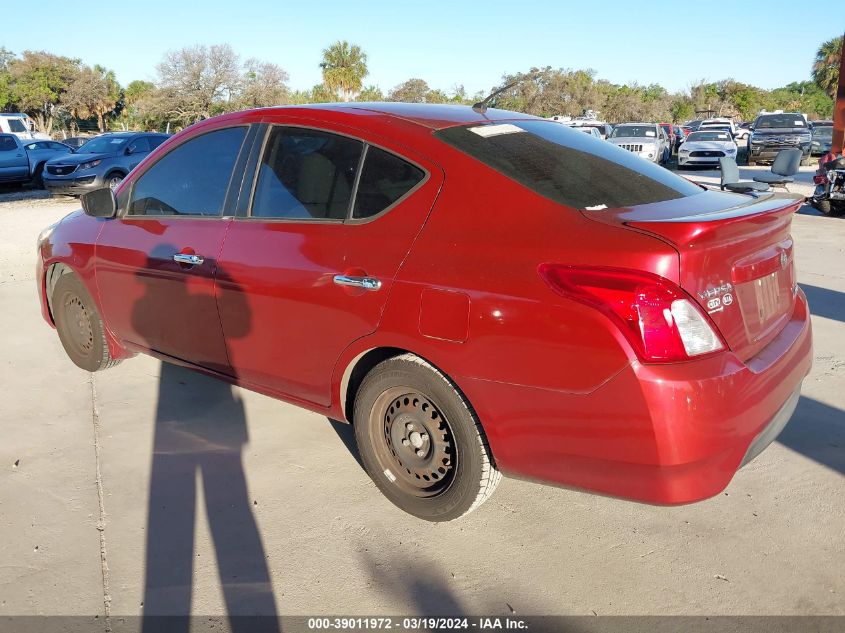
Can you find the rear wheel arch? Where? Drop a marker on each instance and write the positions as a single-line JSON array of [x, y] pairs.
[[356, 371]]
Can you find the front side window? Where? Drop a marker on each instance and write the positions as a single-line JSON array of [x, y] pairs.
[[191, 179], [567, 167], [139, 146], [306, 174], [384, 179]]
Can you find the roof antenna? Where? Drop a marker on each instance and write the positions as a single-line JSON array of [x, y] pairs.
[[481, 106]]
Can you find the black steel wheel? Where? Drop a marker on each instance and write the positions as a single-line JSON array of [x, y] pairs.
[[79, 325], [421, 442]]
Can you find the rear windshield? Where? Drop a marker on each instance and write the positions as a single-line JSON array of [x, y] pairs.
[[566, 166]]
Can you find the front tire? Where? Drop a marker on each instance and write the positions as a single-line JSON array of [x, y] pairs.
[[113, 180], [78, 323], [421, 442]]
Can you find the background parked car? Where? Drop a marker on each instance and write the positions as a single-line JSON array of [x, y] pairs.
[[773, 132], [706, 147], [587, 129], [39, 152], [822, 138], [719, 122], [742, 131], [14, 164], [76, 141], [101, 162], [646, 140]]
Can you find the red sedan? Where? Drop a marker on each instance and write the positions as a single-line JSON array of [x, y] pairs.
[[477, 292]]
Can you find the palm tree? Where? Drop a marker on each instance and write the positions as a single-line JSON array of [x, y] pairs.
[[344, 68], [826, 65]]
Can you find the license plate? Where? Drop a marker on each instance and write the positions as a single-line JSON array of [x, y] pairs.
[[767, 292]]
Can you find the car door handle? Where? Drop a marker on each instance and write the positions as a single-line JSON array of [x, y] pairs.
[[367, 283], [190, 259]]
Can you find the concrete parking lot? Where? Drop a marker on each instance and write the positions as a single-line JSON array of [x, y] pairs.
[[251, 505]]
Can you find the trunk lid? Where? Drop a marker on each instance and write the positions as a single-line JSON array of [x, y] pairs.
[[736, 258]]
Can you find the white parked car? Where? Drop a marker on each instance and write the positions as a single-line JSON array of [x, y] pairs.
[[718, 122], [706, 147], [588, 130], [20, 125], [646, 140]]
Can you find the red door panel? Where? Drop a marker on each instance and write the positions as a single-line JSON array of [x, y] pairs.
[[151, 300], [301, 319]]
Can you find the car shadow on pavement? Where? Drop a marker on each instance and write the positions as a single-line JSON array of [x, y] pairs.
[[824, 302], [346, 433], [199, 436], [817, 431]]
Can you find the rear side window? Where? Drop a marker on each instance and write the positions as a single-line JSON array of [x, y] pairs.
[[566, 166], [155, 141], [306, 175], [384, 179], [7, 144], [191, 179]]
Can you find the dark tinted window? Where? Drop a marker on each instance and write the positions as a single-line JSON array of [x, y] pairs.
[[155, 141], [16, 125], [139, 145], [306, 174], [191, 179], [7, 144], [567, 166], [384, 179]]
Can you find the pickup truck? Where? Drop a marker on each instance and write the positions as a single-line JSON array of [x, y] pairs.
[[14, 162]]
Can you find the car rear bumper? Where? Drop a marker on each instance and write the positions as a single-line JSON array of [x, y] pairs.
[[662, 434], [72, 186]]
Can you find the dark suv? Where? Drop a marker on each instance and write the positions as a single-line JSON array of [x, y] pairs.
[[773, 132], [101, 162]]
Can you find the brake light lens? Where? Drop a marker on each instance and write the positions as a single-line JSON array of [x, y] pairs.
[[661, 322], [819, 179]]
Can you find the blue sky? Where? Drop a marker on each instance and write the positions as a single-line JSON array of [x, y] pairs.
[[767, 43]]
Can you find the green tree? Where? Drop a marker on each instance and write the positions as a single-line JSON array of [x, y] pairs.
[[411, 91], [93, 92], [826, 66], [344, 68], [38, 81], [370, 93], [6, 58]]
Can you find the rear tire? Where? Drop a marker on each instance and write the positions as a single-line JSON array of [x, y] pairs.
[[420, 441], [78, 323]]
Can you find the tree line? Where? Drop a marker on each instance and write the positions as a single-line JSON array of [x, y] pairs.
[[198, 82]]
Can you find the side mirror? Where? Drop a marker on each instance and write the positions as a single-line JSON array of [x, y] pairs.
[[100, 203], [127, 151]]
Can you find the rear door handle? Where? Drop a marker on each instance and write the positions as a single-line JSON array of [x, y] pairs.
[[190, 259], [367, 283]]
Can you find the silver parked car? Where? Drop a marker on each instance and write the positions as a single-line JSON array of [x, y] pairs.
[[646, 140]]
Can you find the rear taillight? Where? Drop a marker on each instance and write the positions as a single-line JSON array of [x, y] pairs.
[[819, 179], [662, 323]]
